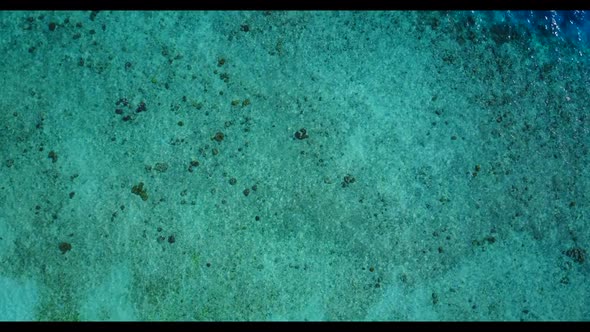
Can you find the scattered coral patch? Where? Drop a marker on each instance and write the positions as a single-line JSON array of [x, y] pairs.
[[577, 254], [64, 247], [140, 191]]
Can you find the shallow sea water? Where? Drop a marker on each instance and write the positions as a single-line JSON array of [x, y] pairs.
[[294, 166]]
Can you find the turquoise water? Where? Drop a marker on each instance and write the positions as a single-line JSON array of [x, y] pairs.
[[294, 166]]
